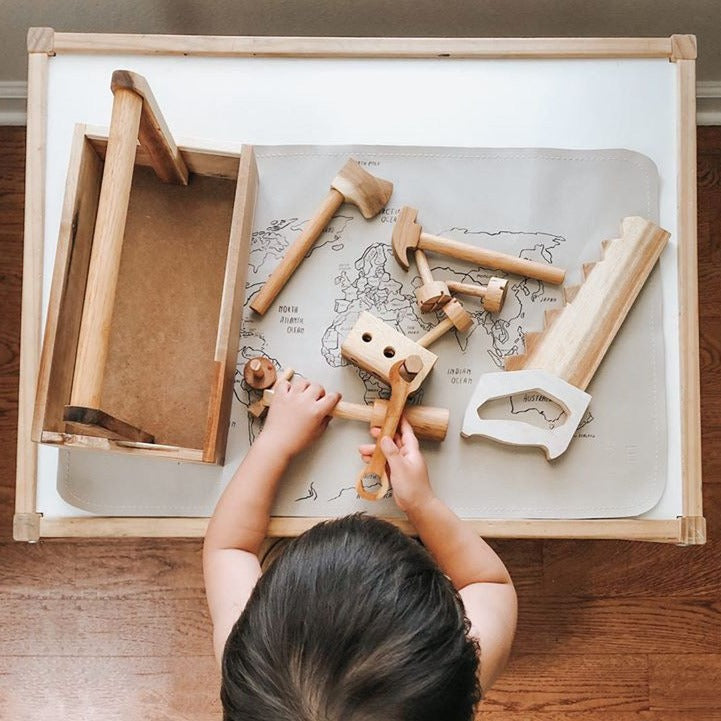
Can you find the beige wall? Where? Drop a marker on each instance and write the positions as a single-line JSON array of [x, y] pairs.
[[366, 17]]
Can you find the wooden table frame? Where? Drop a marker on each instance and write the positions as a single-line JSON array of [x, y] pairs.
[[689, 528]]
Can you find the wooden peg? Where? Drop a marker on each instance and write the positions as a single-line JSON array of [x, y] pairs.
[[456, 317], [433, 293], [493, 294], [402, 374], [259, 373], [409, 235], [354, 185]]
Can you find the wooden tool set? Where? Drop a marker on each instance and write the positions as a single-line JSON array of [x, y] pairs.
[[77, 404]]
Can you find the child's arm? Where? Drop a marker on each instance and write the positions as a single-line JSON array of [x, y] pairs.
[[299, 414], [472, 565]]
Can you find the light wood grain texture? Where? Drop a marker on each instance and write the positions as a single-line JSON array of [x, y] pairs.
[[688, 290], [456, 317], [67, 290], [493, 294], [353, 185], [433, 293], [576, 338], [643, 47], [375, 346], [402, 374], [231, 307], [92, 351], [429, 423], [40, 40], [26, 471], [154, 135], [408, 235]]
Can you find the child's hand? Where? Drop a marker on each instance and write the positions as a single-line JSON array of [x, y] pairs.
[[299, 414], [407, 468]]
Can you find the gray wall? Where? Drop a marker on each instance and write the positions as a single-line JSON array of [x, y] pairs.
[[482, 18]]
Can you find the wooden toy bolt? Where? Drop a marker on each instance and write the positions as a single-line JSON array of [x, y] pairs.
[[493, 294], [401, 375], [354, 185], [456, 317], [429, 423], [259, 373], [409, 235]]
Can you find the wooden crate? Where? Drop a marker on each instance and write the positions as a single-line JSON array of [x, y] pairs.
[[176, 318]]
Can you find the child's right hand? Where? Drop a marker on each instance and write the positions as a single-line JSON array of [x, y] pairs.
[[406, 467], [298, 415]]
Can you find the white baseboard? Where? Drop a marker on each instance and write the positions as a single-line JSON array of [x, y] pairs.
[[13, 99], [708, 103], [14, 93]]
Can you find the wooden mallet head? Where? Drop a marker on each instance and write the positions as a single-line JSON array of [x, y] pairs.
[[406, 234], [369, 193]]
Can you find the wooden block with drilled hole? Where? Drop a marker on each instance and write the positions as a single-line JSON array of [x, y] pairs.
[[375, 346]]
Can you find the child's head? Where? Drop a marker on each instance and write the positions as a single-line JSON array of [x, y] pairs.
[[353, 621]]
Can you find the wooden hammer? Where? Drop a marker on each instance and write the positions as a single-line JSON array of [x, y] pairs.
[[351, 185], [409, 235]]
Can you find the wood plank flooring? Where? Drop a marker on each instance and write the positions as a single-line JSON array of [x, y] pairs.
[[119, 629]]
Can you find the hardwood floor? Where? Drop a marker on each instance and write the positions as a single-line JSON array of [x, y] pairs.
[[119, 629]]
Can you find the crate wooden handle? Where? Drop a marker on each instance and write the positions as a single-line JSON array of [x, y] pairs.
[[135, 114], [153, 133]]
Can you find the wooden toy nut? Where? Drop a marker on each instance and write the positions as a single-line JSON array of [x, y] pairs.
[[495, 295], [259, 373]]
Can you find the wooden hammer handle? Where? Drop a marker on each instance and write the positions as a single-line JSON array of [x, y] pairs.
[[492, 259], [106, 250], [297, 251]]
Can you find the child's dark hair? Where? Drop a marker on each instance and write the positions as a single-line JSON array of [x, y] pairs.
[[354, 621]]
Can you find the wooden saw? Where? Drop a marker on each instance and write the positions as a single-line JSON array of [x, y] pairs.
[[560, 360]]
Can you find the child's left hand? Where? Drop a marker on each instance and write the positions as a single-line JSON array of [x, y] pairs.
[[299, 414]]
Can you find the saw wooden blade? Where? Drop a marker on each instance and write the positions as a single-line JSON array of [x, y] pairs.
[[576, 337]]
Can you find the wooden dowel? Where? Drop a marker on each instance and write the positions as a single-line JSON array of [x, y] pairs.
[[492, 259], [477, 291], [297, 251], [435, 333], [107, 246], [424, 270]]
